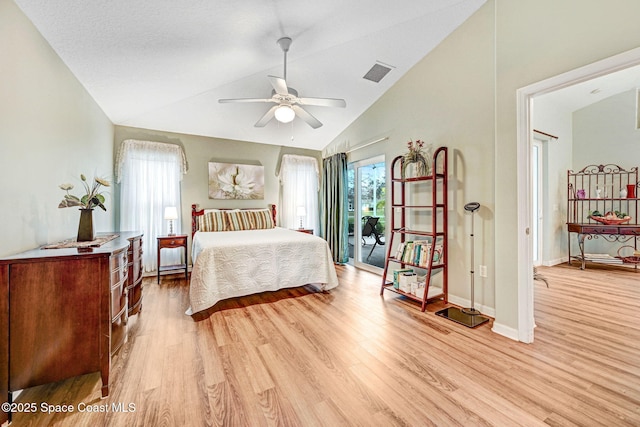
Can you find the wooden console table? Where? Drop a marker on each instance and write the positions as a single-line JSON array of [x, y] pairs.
[[63, 313], [600, 189], [611, 233]]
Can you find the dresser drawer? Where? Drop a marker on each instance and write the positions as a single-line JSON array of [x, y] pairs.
[[134, 280], [118, 332], [135, 272], [599, 230], [118, 260], [135, 249], [118, 300], [135, 261]]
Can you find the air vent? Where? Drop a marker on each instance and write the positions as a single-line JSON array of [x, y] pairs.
[[377, 72]]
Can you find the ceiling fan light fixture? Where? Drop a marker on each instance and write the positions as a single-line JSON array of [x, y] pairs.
[[285, 114]]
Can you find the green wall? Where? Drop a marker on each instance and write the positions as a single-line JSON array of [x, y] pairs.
[[201, 150], [51, 131], [463, 95]]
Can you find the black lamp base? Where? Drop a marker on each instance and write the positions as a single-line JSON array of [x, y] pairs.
[[459, 316]]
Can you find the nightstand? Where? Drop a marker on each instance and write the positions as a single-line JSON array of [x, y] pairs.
[[177, 241], [305, 230]]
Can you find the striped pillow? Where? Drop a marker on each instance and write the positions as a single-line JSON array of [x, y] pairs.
[[212, 220], [261, 219], [239, 220]]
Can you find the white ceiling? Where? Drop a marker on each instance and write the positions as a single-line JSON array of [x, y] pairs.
[[163, 64], [580, 95]]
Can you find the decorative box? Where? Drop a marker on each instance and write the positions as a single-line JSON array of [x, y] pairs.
[[396, 276], [406, 279]]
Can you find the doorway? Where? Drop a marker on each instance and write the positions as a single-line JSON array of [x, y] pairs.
[[525, 97], [367, 219]]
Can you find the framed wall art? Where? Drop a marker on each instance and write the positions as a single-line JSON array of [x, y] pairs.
[[236, 181]]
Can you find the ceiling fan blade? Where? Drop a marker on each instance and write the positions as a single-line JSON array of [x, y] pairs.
[[323, 102], [222, 101], [267, 117], [279, 85], [304, 115]]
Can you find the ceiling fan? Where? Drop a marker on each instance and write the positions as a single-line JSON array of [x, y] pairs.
[[288, 103]]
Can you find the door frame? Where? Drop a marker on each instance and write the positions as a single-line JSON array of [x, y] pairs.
[[357, 208], [524, 101], [540, 197]]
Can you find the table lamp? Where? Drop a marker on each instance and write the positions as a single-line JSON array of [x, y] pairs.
[[171, 214], [301, 212]]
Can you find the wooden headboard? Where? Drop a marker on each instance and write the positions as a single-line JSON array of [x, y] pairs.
[[195, 213]]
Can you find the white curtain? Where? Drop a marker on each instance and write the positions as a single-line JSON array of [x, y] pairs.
[[299, 180], [150, 174]]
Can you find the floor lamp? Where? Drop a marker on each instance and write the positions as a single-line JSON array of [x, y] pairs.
[[467, 316]]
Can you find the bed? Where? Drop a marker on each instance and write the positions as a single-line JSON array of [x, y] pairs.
[[239, 252]]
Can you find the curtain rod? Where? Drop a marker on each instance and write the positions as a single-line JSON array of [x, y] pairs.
[[367, 144], [546, 134]]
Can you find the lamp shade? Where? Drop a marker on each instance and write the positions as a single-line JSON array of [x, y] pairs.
[[284, 114], [301, 211], [170, 212]]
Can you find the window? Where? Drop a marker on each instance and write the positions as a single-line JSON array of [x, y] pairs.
[[299, 197], [150, 175]]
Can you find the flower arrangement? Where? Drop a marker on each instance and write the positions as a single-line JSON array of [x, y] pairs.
[[90, 200], [416, 155]]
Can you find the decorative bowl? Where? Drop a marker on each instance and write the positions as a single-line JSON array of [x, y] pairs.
[[613, 221]]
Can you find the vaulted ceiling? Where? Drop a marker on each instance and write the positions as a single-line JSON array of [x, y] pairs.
[[163, 64]]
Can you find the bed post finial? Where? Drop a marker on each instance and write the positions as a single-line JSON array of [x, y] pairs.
[[272, 208], [194, 209]]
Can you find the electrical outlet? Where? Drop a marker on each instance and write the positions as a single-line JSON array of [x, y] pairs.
[[483, 271]]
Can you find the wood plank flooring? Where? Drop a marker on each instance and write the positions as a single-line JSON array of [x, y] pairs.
[[351, 358]]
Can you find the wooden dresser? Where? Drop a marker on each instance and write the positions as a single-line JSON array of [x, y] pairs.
[[63, 312], [134, 281]]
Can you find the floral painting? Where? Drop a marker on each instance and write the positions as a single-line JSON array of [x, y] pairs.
[[235, 181]]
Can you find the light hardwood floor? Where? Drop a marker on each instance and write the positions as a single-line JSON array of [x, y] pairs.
[[350, 357]]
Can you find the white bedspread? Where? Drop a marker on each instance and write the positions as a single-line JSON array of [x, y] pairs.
[[235, 263]]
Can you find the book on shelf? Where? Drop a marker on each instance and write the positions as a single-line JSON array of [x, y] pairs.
[[408, 251], [603, 258], [423, 253], [418, 252], [400, 250], [437, 252]]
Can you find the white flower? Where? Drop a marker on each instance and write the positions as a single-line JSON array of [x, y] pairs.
[[235, 183], [90, 200]]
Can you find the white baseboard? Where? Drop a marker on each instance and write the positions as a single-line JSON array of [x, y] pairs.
[[505, 331], [552, 262], [463, 302], [498, 328]]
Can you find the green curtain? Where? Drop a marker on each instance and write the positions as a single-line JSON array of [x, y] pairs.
[[334, 222]]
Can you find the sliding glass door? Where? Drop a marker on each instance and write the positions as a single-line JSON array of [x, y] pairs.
[[367, 221]]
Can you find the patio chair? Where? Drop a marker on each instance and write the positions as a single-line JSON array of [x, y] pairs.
[[368, 230]]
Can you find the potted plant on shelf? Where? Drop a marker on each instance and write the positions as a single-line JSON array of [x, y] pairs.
[[92, 198], [418, 158]]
